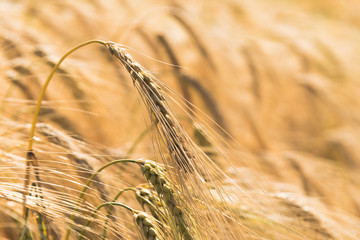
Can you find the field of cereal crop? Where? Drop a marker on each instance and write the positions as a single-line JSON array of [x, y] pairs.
[[183, 120]]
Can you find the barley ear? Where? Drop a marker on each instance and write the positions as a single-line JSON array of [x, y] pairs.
[[155, 174]]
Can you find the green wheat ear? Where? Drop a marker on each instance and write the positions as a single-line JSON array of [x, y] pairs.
[[155, 174]]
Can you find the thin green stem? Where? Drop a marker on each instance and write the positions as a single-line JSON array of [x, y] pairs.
[[30, 154], [43, 90], [111, 208], [93, 176], [99, 207], [25, 230]]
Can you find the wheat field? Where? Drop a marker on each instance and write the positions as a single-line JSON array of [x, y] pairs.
[[179, 120]]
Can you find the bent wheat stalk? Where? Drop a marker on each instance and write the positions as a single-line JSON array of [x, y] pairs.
[[187, 165], [186, 162], [175, 139], [146, 224], [31, 158], [93, 176]]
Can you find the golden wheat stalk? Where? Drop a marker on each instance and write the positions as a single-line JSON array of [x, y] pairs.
[[176, 141], [192, 167]]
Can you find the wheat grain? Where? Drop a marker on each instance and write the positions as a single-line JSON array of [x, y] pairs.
[[155, 174]]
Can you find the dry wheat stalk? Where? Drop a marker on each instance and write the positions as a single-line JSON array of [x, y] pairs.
[[176, 142], [184, 155], [253, 69], [199, 44], [192, 167], [10, 49]]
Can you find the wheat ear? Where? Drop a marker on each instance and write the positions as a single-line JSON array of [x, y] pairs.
[[155, 174], [175, 140], [146, 224]]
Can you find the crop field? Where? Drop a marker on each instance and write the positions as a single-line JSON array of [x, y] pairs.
[[180, 120]]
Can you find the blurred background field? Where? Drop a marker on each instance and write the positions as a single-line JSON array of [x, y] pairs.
[[280, 77]]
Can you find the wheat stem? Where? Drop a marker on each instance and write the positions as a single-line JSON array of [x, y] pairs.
[[43, 90], [109, 213], [81, 196], [101, 206], [30, 155]]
